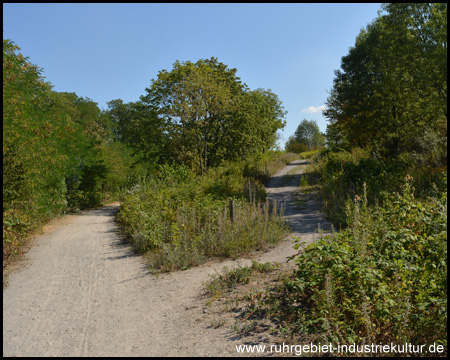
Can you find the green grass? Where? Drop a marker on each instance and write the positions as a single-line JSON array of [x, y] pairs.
[[179, 220], [230, 278], [309, 154]]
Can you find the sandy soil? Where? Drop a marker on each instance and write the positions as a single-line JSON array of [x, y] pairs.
[[83, 292]]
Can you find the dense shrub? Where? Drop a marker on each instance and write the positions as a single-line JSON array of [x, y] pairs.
[[181, 220], [313, 154], [382, 280], [344, 173], [296, 147], [16, 225]]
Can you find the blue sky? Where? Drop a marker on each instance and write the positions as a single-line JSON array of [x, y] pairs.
[[112, 51]]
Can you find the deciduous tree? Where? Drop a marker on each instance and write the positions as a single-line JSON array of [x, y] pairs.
[[308, 134], [210, 115], [392, 86]]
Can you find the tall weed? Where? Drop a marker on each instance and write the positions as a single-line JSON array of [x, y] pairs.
[[343, 175], [180, 220], [381, 280]]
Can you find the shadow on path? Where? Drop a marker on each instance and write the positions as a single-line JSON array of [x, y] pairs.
[[282, 188], [108, 210]]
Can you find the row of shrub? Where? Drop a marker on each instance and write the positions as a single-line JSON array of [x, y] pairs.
[[60, 152], [93, 185]]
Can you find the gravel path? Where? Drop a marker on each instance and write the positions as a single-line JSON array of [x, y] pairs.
[[305, 218], [83, 292]]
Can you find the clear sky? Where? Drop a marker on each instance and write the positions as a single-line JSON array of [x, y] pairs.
[[112, 51]]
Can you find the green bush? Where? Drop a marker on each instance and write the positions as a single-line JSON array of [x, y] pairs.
[[180, 220], [343, 175], [16, 225], [382, 280], [296, 147], [310, 154]]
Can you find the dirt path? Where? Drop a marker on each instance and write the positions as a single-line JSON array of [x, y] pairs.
[[82, 292]]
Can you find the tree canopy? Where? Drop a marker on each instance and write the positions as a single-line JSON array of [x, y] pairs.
[[391, 91], [57, 146], [209, 115], [61, 152], [307, 137]]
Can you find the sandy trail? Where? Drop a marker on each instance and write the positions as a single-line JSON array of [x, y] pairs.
[[83, 292]]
